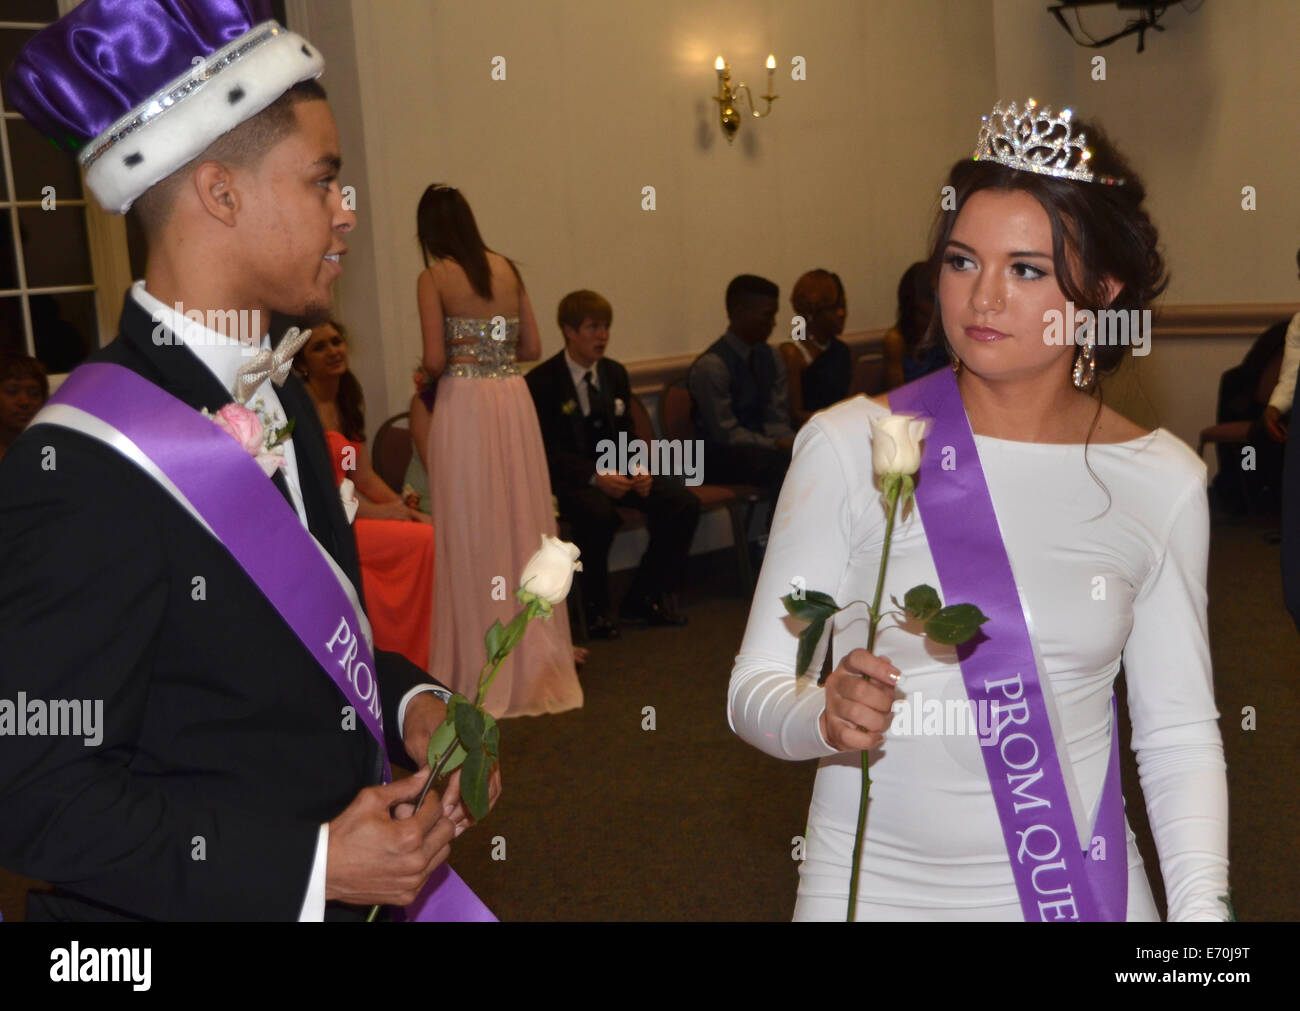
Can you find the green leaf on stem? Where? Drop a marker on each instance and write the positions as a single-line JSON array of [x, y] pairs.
[[516, 629], [456, 760], [493, 639], [808, 640], [955, 624], [441, 739], [469, 727], [922, 602], [812, 606], [491, 735], [474, 783]]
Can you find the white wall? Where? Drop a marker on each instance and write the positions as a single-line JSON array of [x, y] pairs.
[[601, 99]]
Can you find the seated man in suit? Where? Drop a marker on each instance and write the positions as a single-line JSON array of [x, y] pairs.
[[236, 771], [582, 401], [739, 398]]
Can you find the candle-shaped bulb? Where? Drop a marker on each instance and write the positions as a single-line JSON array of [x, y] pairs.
[[718, 64], [771, 62]]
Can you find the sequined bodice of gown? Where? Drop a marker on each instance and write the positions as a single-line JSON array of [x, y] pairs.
[[490, 494], [495, 342]]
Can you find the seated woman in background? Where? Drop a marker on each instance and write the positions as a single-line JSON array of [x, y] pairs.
[[24, 388], [394, 541], [904, 359], [818, 366]]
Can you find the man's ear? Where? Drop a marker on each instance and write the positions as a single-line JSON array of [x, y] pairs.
[[215, 186]]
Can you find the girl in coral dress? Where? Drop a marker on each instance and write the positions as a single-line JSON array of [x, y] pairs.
[[394, 542], [490, 490]]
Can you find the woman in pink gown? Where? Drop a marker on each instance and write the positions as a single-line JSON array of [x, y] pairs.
[[489, 486]]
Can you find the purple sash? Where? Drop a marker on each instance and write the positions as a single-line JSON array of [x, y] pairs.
[[1054, 878], [205, 469]]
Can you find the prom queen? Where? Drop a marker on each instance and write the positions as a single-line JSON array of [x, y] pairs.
[[1084, 536]]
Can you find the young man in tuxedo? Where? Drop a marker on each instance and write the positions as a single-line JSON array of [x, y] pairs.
[[583, 400], [230, 781]]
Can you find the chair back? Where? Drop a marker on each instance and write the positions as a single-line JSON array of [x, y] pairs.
[[869, 375], [392, 452], [675, 412], [1268, 378]]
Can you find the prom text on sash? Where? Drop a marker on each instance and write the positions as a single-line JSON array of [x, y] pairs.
[[1039, 843], [356, 670]]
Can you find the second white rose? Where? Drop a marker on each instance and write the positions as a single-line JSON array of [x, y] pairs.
[[896, 443]]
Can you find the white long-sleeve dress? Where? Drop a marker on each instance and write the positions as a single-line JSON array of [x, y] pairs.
[[1101, 585]]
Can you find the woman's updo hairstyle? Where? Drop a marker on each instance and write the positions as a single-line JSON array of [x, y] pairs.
[[1105, 225]]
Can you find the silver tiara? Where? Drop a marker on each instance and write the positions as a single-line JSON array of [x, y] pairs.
[[1036, 141]]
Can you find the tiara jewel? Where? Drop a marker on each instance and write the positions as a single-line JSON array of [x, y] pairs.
[[1033, 140]]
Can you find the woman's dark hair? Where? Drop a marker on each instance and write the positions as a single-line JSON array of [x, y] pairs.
[[915, 292], [350, 402], [447, 230], [1105, 226]]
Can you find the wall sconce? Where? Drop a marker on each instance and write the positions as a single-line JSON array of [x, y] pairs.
[[728, 97]]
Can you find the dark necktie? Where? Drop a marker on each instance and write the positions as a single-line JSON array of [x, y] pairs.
[[593, 394]]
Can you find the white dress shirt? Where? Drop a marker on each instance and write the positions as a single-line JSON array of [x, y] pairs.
[[223, 356], [1284, 392]]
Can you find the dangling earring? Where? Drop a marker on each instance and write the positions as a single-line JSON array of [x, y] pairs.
[[956, 362], [1085, 365]]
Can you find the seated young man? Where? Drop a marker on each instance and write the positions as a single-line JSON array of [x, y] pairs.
[[739, 398], [583, 401]]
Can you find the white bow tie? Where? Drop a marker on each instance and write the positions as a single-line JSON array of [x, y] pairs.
[[267, 364]]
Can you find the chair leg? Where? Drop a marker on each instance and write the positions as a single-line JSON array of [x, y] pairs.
[[739, 535]]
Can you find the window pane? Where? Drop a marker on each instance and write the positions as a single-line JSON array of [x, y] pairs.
[[64, 328], [55, 246], [31, 10], [13, 339], [8, 264], [38, 163], [11, 40]]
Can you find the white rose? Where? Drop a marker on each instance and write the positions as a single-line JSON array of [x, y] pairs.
[[896, 443], [549, 573]]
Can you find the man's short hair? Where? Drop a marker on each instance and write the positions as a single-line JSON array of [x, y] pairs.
[[579, 306], [244, 145], [747, 287]]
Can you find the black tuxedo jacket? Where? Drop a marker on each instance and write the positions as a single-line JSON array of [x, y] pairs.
[[567, 456], [225, 746]]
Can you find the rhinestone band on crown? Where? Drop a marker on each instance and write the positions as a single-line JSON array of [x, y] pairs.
[[178, 90], [1036, 141]]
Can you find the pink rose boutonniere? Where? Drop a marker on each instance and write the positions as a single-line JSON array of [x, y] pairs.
[[246, 429]]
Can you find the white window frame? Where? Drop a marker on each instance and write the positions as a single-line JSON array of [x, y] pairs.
[[110, 262]]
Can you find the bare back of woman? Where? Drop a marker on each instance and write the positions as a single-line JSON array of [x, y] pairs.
[[445, 291]]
